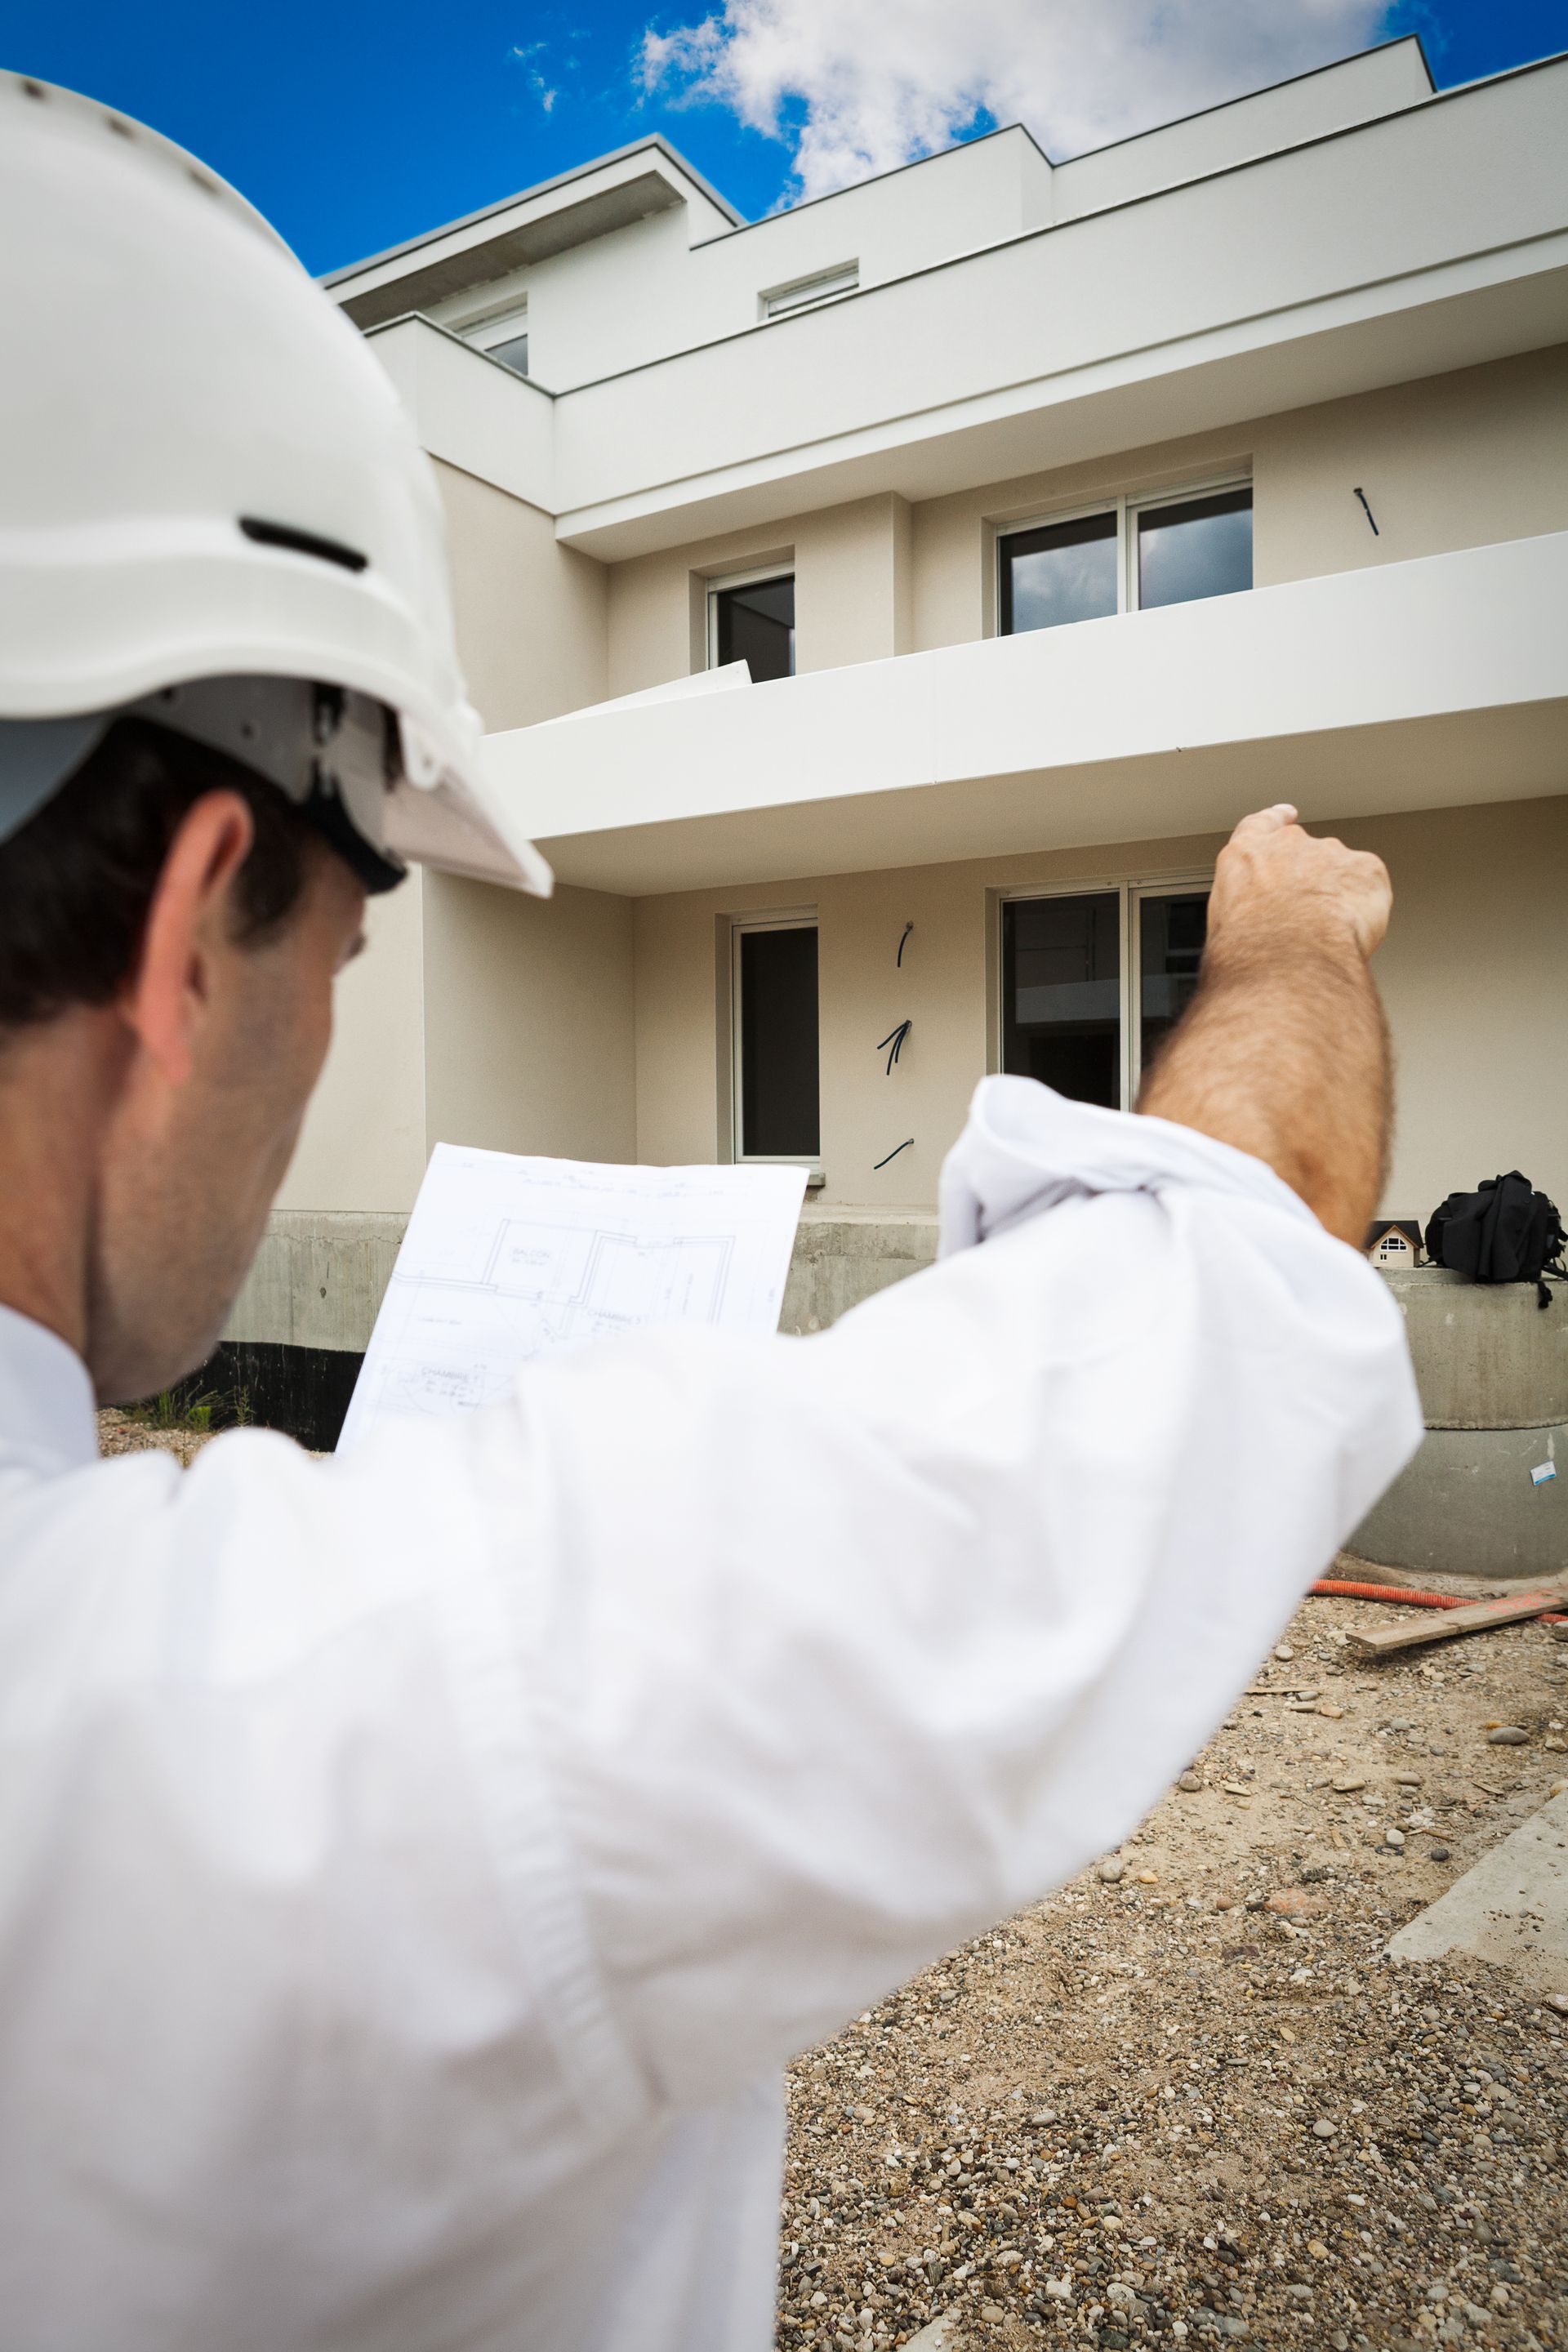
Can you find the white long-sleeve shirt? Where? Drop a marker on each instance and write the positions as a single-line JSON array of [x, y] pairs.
[[415, 1869]]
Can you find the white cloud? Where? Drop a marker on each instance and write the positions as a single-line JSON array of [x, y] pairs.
[[855, 86]]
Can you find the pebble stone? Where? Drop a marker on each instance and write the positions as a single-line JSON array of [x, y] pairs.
[[1508, 1735], [1097, 2119]]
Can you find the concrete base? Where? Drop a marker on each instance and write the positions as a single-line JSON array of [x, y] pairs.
[[318, 1279], [1486, 1356], [1512, 1908], [1492, 1369], [1466, 1507], [843, 1256]]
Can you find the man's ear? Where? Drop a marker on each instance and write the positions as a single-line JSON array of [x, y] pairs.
[[188, 931]]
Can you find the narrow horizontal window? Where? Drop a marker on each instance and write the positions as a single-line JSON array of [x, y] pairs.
[[1195, 547], [776, 1031], [781, 299], [1058, 571], [753, 622]]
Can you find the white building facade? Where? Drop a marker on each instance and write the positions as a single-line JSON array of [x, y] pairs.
[[1061, 513]]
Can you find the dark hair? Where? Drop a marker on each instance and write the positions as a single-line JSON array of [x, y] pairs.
[[77, 881]]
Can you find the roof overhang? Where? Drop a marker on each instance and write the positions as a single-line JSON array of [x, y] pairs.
[[1433, 683], [611, 194]]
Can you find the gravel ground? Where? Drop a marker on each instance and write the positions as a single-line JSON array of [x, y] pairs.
[[1186, 2099], [118, 1433]]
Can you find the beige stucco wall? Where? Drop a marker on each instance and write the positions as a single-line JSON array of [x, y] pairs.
[[853, 576], [362, 1145], [1473, 973], [1475, 976], [475, 1011], [475, 1015], [528, 1020], [532, 613], [1452, 461]]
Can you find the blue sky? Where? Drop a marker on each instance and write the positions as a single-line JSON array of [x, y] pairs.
[[353, 126]]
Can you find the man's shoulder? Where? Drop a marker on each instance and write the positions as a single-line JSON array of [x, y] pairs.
[[255, 1560]]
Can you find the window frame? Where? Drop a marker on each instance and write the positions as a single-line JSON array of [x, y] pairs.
[[1130, 893], [502, 327], [804, 293], [721, 582], [790, 919], [1126, 506]]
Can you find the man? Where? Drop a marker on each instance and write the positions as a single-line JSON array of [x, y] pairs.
[[416, 1870]]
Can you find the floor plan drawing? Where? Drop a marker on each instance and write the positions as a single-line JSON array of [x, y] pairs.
[[508, 1258]]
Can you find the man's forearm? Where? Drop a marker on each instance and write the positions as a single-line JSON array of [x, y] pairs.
[[1284, 1050]]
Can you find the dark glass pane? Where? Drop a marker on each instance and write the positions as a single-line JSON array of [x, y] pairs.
[[512, 354], [1171, 934], [1200, 548], [1063, 571], [1061, 995], [778, 1043], [756, 626]]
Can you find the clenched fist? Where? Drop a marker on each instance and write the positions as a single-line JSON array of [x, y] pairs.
[[1273, 879]]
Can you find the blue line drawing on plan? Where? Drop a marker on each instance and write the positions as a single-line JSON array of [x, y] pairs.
[[508, 1258]]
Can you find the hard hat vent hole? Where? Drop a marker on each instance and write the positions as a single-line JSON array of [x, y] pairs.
[[302, 543], [33, 89], [123, 129]]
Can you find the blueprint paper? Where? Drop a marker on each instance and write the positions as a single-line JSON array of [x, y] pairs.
[[506, 1258]]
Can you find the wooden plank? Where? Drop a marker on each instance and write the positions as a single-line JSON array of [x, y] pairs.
[[1442, 1624]]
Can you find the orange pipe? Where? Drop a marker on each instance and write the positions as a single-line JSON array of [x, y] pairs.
[[1411, 1600]]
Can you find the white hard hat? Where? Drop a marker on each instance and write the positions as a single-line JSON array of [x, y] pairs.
[[214, 512]]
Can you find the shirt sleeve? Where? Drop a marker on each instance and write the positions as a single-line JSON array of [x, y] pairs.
[[840, 1648]]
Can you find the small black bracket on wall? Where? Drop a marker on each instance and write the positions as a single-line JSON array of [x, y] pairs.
[[893, 1154], [903, 935], [1368, 512]]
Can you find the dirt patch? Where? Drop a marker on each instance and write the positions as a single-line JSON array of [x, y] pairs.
[[1189, 2100], [119, 1432]]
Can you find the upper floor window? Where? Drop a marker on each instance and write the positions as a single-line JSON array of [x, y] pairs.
[[1129, 555], [751, 618], [504, 339], [777, 301]]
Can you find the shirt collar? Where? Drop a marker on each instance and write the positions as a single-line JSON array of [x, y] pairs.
[[45, 1398]]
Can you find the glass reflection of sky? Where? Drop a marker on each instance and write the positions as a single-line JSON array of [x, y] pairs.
[[1063, 583], [1204, 549], [1063, 572]]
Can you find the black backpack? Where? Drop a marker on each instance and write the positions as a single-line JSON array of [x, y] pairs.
[[1507, 1231]]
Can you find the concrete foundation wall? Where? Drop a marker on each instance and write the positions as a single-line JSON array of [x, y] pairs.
[[839, 1259], [1492, 1367]]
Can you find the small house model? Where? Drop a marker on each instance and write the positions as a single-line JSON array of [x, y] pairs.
[[1396, 1241]]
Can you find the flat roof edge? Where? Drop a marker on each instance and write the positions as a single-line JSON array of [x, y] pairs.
[[654, 143]]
